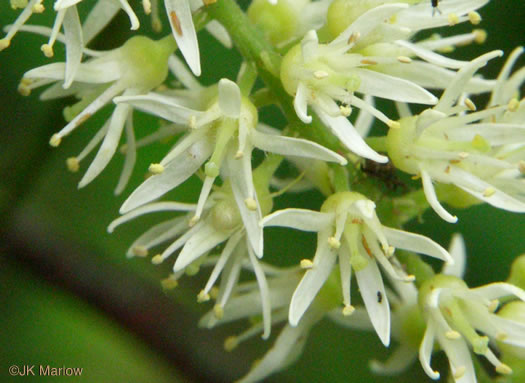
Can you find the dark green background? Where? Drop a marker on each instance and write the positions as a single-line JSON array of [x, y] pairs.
[[70, 297]]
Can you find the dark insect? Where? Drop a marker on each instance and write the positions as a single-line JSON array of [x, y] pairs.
[[383, 172], [379, 297], [435, 8]]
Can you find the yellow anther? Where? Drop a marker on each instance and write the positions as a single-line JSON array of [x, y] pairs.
[[23, 89], [231, 343], [521, 167], [38, 8], [404, 59], [306, 264], [192, 122], [452, 335], [320, 74], [463, 155], [410, 278], [218, 311], [513, 105], [460, 371], [416, 177], [239, 154], [156, 169], [73, 164], [55, 140], [4, 43], [489, 192], [156, 25], [169, 283], [348, 310], [389, 250], [474, 17], [192, 269], [501, 336], [193, 220], [470, 104], [140, 251], [453, 19], [123, 148], [393, 124], [146, 4], [211, 169], [480, 36], [203, 296], [493, 305], [503, 369], [157, 259], [48, 50], [346, 110], [214, 292], [334, 242], [251, 204]]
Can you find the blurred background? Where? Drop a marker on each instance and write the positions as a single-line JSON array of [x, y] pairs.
[[68, 295]]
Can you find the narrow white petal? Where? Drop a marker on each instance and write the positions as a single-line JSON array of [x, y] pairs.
[[368, 21], [102, 12], [398, 362], [131, 157], [109, 145], [300, 219], [458, 253], [458, 355], [201, 242], [432, 199], [181, 21], [176, 173], [182, 74], [463, 76], [150, 208], [365, 119], [425, 350], [62, 4], [416, 243], [349, 137], [312, 281], [300, 103], [371, 286], [133, 19], [393, 88], [265, 294], [499, 290], [162, 106], [309, 46], [229, 98], [158, 234], [432, 57], [289, 146], [220, 33], [74, 45]]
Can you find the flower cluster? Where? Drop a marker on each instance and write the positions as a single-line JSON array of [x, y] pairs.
[[316, 61]]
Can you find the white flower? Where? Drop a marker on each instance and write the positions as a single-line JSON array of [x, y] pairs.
[[449, 145], [457, 315], [222, 126], [365, 58], [349, 231], [223, 221], [135, 68]]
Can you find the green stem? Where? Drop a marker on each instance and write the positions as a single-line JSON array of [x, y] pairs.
[[340, 178], [247, 77]]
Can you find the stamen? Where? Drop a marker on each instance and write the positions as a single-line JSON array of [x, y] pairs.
[[346, 110], [169, 283], [192, 122], [460, 371], [452, 335], [157, 259], [306, 264], [140, 251], [521, 166], [513, 105], [55, 140], [146, 4], [218, 310], [480, 36], [156, 169], [176, 23], [470, 104], [463, 155], [193, 220], [334, 242], [503, 369], [73, 164], [493, 306], [489, 192], [393, 124], [453, 19], [203, 296], [474, 17], [320, 74], [404, 59], [251, 204], [501, 336], [348, 310], [231, 343]]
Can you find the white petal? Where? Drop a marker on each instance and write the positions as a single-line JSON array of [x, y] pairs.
[[393, 88], [109, 145], [458, 253], [181, 21], [396, 363], [499, 290], [432, 57], [371, 286], [368, 21], [133, 19], [158, 234], [131, 157], [62, 4], [463, 76], [416, 243], [365, 119], [102, 12], [309, 46], [344, 130], [74, 45], [289, 146], [161, 106], [300, 103], [312, 281], [425, 350], [182, 74], [229, 98], [432, 199], [201, 242], [265, 295], [150, 208], [300, 219], [241, 179], [458, 355], [174, 174], [220, 33]]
